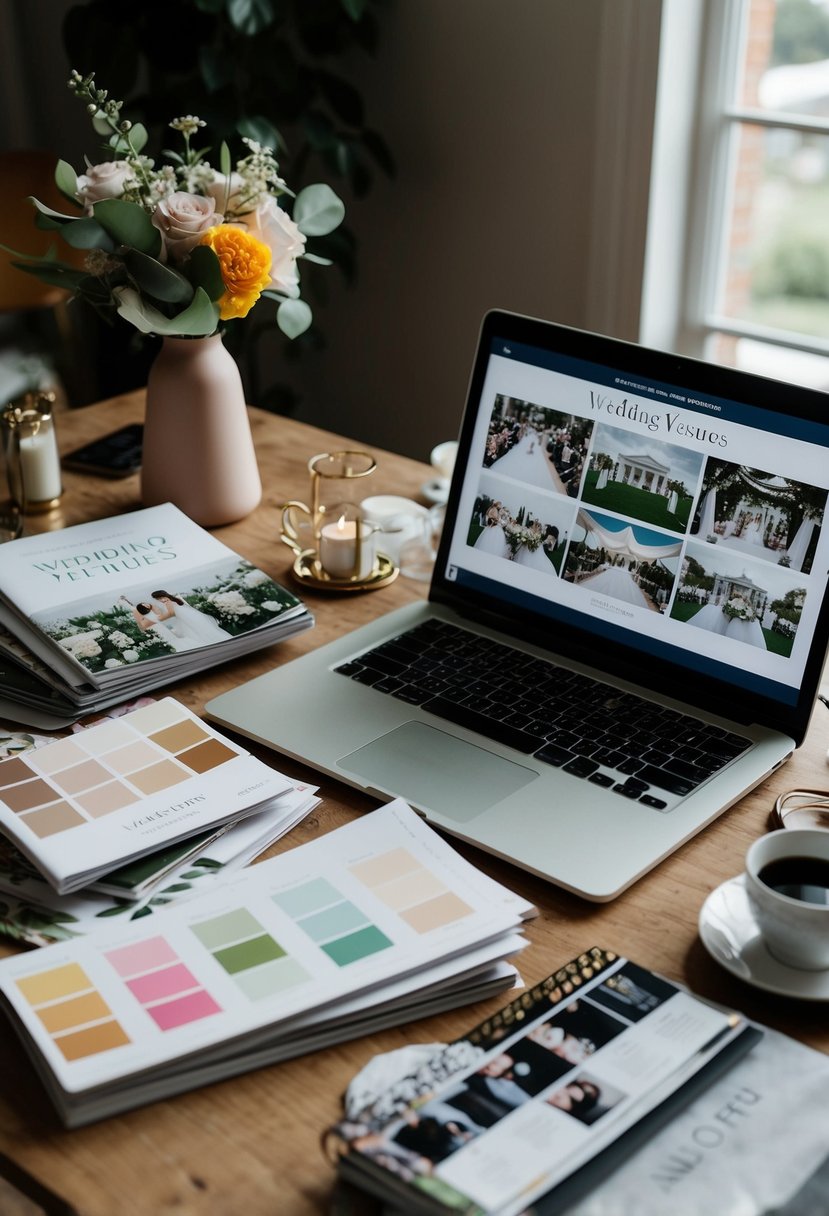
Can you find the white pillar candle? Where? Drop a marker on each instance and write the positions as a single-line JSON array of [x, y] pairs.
[[40, 467], [338, 549]]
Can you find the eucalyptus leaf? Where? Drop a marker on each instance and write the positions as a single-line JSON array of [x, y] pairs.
[[161, 282], [128, 224], [224, 159], [48, 213], [293, 317], [66, 180], [101, 124], [133, 141], [250, 16], [216, 68], [318, 210], [56, 274], [260, 129], [199, 319], [204, 270], [86, 233]]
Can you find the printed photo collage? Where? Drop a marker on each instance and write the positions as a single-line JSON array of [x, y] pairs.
[[708, 542], [563, 1061]]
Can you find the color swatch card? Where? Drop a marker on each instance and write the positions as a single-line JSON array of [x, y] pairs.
[[82, 806], [138, 1011]]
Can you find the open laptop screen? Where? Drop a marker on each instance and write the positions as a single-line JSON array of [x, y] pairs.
[[657, 505]]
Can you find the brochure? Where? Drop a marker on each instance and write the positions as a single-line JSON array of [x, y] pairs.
[[530, 1109], [112, 608], [83, 806], [372, 924], [31, 911]]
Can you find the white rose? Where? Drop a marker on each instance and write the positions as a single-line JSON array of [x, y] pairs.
[[227, 192], [269, 223], [182, 219], [102, 181]]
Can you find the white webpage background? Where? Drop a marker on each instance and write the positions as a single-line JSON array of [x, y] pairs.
[[781, 455]]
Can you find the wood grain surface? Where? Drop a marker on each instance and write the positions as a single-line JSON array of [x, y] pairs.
[[251, 1146]]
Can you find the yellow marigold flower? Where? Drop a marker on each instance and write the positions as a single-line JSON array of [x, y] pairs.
[[245, 264]]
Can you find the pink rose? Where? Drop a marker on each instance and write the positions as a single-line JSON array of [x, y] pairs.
[[182, 219], [270, 224], [102, 181]]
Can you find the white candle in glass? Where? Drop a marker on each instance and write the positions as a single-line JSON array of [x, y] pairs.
[[40, 466], [338, 549]]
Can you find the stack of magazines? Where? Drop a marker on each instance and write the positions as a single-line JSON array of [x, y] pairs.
[[98, 613], [376, 923]]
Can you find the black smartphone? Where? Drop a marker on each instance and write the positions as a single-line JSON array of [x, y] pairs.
[[115, 455]]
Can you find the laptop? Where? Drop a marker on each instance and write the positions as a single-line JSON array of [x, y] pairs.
[[626, 622]]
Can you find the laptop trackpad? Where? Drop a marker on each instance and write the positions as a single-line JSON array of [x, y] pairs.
[[436, 771]]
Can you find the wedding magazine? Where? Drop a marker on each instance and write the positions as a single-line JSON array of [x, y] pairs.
[[85, 805], [375, 923], [112, 608], [533, 1107]]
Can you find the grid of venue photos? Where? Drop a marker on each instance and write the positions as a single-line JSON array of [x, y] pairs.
[[721, 546]]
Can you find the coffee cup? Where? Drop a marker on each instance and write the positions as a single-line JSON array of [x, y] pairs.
[[787, 884], [397, 520]]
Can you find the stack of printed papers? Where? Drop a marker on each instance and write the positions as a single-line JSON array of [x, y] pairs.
[[375, 923]]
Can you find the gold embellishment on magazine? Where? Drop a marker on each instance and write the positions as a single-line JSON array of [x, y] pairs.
[[556, 987]]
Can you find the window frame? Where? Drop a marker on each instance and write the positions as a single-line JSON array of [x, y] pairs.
[[700, 70]]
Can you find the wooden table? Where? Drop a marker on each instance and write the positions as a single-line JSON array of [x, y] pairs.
[[250, 1146]]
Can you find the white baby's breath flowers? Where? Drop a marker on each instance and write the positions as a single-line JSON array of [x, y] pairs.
[[188, 125]]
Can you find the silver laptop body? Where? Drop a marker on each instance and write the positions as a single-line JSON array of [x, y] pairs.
[[652, 522]]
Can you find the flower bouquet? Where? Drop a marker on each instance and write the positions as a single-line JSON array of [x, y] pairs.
[[738, 608], [178, 247]]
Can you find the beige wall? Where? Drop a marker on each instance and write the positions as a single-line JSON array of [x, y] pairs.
[[488, 106]]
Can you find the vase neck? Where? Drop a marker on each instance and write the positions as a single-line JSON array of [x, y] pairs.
[[171, 342]]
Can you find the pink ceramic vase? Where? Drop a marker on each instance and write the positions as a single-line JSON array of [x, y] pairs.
[[198, 449]]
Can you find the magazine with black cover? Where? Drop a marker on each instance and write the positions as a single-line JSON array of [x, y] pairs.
[[536, 1105], [115, 607]]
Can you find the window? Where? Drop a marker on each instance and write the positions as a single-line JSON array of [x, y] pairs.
[[755, 288]]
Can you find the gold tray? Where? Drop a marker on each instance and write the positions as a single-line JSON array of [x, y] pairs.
[[308, 571]]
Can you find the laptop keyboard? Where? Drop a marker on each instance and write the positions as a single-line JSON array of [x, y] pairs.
[[638, 749]]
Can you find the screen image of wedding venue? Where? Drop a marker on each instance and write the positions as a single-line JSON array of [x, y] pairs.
[[760, 514], [113, 630], [642, 478], [759, 604], [520, 524], [539, 446], [623, 561]]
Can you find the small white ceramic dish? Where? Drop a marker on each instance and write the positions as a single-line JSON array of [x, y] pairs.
[[730, 935]]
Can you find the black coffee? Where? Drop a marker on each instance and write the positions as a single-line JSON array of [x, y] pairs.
[[804, 878]]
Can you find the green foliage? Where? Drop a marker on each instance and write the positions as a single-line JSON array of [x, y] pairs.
[[797, 264], [801, 32], [249, 67]]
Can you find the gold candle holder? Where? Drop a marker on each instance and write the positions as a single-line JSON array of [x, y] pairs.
[[332, 540], [31, 452]]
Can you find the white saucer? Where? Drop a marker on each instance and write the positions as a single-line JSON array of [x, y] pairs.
[[436, 491], [730, 935]]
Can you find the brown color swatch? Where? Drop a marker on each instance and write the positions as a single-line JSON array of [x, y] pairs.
[[207, 755], [51, 819], [182, 734]]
